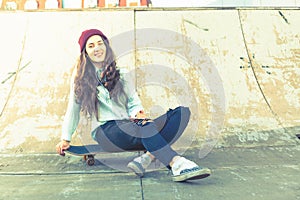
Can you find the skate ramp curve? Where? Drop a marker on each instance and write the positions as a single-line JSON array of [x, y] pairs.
[[255, 53]]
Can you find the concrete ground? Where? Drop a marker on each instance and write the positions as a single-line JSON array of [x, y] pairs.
[[268, 173]]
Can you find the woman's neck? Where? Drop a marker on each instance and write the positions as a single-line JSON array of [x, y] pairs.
[[98, 65]]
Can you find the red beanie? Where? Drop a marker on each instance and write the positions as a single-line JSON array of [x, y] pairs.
[[85, 35]]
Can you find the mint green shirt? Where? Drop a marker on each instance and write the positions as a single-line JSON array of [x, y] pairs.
[[107, 109]]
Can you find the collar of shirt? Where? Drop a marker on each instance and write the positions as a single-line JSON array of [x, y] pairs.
[[98, 74]]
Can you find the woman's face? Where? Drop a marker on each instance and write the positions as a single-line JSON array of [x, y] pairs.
[[95, 48]]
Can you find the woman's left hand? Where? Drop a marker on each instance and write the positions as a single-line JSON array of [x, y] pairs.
[[141, 115]]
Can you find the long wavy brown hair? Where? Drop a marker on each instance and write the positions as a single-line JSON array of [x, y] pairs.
[[86, 81]]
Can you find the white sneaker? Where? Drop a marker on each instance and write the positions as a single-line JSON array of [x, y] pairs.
[[140, 164], [184, 169]]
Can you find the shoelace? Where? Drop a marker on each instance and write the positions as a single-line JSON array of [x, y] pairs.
[[190, 170]]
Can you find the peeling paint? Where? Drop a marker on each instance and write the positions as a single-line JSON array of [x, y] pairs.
[[262, 94]]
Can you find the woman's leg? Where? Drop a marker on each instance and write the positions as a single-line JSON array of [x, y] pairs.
[[173, 123], [126, 135], [119, 136], [156, 144]]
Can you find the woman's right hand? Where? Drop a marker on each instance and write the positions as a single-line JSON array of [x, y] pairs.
[[62, 146]]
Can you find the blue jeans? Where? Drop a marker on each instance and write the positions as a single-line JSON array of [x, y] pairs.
[[155, 137]]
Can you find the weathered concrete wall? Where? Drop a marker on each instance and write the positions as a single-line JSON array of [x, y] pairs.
[[238, 71]]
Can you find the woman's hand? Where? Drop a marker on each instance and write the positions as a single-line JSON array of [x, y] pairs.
[[141, 115], [61, 146]]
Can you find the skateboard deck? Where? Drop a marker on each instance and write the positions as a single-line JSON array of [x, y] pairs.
[[89, 151]]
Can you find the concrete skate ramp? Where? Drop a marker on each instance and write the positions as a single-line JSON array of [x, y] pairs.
[[247, 72]]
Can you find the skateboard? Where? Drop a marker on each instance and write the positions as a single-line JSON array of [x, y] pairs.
[[89, 151]]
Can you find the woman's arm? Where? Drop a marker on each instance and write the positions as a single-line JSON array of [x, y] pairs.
[[70, 122], [134, 104], [72, 115], [71, 118], [69, 126]]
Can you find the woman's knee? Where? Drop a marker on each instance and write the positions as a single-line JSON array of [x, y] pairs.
[[184, 111]]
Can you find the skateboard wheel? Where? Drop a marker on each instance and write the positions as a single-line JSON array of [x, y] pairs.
[[90, 160]]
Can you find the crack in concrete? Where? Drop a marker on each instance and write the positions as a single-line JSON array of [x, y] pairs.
[[11, 74], [142, 188], [284, 18], [16, 72], [255, 75]]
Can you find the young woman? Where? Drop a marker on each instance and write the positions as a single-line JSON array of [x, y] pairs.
[[106, 94]]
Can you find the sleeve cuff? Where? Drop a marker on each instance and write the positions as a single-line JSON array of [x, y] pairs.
[[66, 137]]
